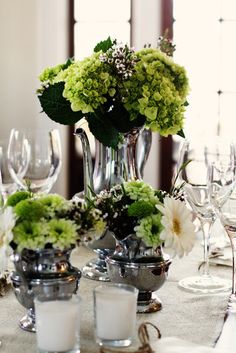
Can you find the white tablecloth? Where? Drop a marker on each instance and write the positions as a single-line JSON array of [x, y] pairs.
[[192, 317]]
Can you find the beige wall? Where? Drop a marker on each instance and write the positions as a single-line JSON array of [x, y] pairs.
[[146, 29], [17, 64], [33, 34]]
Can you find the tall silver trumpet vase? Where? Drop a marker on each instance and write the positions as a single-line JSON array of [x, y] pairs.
[[147, 270], [45, 271], [111, 167]]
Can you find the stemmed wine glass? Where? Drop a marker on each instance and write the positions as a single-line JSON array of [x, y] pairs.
[[193, 176], [7, 184], [34, 158], [222, 182]]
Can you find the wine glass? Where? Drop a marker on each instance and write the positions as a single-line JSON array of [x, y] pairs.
[[221, 153], [193, 176], [8, 186], [222, 181], [34, 158]]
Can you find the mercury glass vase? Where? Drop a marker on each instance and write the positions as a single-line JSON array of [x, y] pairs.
[[111, 167], [141, 266], [45, 271]]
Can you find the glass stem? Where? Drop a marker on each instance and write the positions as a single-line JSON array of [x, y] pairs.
[[233, 246], [206, 225]]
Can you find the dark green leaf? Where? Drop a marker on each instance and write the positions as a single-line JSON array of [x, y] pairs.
[[68, 63], [120, 118], [103, 130], [181, 133], [104, 45], [57, 107]]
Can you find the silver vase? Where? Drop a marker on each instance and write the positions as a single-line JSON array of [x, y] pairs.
[[136, 264], [111, 167], [46, 271]]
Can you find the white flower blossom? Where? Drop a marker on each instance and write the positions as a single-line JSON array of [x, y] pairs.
[[179, 230], [7, 223]]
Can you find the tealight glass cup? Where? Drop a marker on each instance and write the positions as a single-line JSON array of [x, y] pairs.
[[58, 324], [115, 307]]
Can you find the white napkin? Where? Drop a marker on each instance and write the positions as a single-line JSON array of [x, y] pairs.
[[176, 345]]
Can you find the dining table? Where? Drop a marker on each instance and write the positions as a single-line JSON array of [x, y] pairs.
[[187, 321]]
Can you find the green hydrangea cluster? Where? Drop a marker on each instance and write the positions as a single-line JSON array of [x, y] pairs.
[[117, 89], [88, 83], [52, 75], [157, 90]]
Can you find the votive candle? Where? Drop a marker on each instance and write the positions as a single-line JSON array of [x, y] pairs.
[[115, 312], [57, 324]]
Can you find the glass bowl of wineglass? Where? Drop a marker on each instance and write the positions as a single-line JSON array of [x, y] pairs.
[[34, 158], [193, 176], [8, 185], [222, 183]]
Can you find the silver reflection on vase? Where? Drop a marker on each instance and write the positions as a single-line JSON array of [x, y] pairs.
[[111, 167], [46, 271], [136, 264]]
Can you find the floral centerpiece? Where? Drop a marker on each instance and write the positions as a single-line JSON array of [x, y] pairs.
[[42, 230], [117, 89], [46, 221], [154, 217]]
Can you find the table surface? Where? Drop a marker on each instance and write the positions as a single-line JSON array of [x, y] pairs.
[[193, 317]]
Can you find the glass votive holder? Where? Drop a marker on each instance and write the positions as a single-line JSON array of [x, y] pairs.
[[58, 323], [115, 307]]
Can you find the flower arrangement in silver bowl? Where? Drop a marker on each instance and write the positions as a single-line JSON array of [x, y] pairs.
[[153, 216], [41, 230], [116, 89]]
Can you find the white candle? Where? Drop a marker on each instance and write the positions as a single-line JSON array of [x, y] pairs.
[[57, 324], [115, 312]]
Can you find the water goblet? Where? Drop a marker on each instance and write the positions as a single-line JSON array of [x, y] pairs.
[[194, 179], [8, 186], [34, 158], [220, 158], [221, 187]]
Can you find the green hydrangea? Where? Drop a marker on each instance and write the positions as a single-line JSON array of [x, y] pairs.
[[117, 89], [157, 90], [149, 230], [88, 83], [52, 75]]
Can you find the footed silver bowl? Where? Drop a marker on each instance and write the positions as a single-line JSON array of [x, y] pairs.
[[25, 293], [147, 276], [41, 272], [96, 268]]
